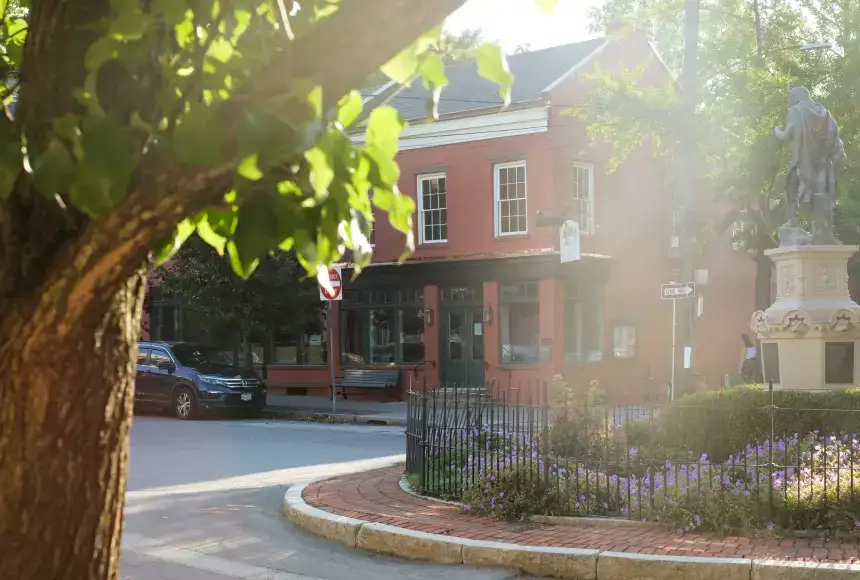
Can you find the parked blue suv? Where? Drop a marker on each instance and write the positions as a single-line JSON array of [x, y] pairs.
[[188, 379]]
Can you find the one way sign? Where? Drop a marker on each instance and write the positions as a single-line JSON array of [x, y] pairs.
[[678, 291]]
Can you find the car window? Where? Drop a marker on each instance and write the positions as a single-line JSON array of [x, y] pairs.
[[158, 356], [142, 354]]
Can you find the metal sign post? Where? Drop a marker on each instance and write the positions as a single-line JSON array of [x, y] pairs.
[[675, 292], [330, 317], [332, 292]]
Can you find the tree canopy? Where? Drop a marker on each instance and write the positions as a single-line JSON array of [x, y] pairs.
[[749, 53]]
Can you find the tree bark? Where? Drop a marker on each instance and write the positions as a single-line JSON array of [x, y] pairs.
[[65, 413]]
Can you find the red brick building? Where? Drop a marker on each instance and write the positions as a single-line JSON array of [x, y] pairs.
[[485, 296]]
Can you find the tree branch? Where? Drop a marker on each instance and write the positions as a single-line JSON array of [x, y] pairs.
[[337, 54]]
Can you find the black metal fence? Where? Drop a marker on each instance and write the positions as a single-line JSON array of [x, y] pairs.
[[765, 459]]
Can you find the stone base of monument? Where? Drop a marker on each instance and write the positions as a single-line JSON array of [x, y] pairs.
[[811, 335]]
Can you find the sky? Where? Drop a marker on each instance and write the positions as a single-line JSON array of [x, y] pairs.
[[521, 22]]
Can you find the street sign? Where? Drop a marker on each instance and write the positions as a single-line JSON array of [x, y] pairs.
[[678, 291], [336, 282]]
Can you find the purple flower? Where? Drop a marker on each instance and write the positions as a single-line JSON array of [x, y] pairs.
[[468, 507], [857, 524], [770, 527]]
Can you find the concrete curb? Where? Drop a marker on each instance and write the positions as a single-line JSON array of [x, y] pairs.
[[566, 563], [344, 418]]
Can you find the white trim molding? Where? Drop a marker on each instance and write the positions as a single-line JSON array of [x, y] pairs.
[[587, 215], [466, 129], [497, 210], [419, 195], [575, 69]]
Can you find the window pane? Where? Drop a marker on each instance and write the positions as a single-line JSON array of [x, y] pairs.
[[141, 355], [477, 335], [354, 336], [382, 329], [455, 336], [519, 333], [521, 174], [158, 356], [412, 335], [624, 341], [286, 348]]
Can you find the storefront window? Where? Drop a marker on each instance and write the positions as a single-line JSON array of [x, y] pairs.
[[583, 325], [382, 326], [412, 335], [382, 329], [307, 347], [519, 323]]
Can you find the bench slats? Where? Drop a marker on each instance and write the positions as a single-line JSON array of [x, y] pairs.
[[369, 378]]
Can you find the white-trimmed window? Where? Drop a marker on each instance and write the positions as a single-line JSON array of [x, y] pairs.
[[583, 197], [624, 341], [510, 198], [432, 208]]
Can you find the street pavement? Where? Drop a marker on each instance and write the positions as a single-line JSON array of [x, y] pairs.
[[204, 502]]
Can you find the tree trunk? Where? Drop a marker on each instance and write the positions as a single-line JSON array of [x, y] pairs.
[[65, 412], [763, 273]]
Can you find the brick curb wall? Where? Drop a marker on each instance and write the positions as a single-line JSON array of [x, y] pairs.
[[356, 530]]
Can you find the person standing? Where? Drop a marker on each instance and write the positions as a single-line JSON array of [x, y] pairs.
[[749, 362]]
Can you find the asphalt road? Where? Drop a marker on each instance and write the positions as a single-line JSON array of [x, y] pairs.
[[204, 502]]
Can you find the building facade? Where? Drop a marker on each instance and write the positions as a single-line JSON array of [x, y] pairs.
[[485, 297]]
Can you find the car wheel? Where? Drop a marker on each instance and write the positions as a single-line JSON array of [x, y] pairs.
[[184, 404]]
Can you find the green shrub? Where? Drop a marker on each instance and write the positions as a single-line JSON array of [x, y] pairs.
[[720, 423]]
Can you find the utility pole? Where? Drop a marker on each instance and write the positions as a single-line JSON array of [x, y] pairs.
[[687, 184]]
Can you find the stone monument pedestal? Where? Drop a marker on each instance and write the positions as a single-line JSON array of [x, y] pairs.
[[811, 335]]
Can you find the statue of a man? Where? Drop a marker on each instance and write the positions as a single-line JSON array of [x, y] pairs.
[[817, 153]]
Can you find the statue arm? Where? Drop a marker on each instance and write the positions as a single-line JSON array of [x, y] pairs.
[[787, 133]]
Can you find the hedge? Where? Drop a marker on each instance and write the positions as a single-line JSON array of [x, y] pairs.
[[720, 423]]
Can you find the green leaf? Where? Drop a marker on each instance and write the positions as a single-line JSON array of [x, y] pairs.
[[241, 269], [215, 226], [109, 155], [109, 148], [221, 50], [54, 170], [433, 72], [173, 10], [311, 93], [256, 235], [322, 173], [546, 5], [199, 138], [248, 168], [130, 25], [100, 52], [493, 66], [173, 242], [404, 65], [383, 130], [349, 108]]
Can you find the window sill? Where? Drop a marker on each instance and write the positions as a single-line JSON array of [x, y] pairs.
[[505, 237], [433, 244], [519, 366]]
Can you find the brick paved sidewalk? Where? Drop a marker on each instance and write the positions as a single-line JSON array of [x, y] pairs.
[[375, 496]]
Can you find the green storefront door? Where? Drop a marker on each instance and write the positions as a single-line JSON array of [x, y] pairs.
[[462, 346]]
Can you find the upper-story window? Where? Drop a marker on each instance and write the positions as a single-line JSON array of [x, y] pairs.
[[511, 199], [432, 208], [583, 197]]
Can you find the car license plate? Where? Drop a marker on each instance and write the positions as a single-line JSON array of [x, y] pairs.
[[246, 396]]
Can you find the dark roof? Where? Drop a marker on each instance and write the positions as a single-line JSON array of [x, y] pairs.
[[466, 90]]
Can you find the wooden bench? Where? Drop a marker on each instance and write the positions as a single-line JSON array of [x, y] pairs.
[[367, 379]]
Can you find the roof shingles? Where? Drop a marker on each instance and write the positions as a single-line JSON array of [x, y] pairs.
[[533, 72]]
